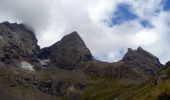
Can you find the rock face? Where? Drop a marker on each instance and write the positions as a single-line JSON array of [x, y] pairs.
[[57, 88], [136, 67], [18, 43], [142, 60], [67, 53]]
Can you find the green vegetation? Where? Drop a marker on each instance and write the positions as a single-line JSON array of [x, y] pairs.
[[104, 89], [109, 89]]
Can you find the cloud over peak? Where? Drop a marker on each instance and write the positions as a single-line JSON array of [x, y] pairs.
[[108, 27]]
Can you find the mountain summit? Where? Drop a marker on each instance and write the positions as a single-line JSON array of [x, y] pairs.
[[67, 53], [143, 60]]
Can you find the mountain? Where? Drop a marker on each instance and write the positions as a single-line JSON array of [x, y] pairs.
[[18, 44], [143, 60], [67, 70], [67, 53], [136, 66]]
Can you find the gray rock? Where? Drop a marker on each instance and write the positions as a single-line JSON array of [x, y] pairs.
[[67, 53], [18, 43], [142, 60]]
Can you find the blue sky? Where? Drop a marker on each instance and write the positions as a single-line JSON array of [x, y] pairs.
[[166, 4], [123, 13], [146, 24]]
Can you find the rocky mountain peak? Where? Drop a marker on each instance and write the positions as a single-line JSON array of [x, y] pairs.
[[67, 53], [139, 52], [72, 36], [73, 39], [129, 51], [145, 53], [142, 59], [140, 48], [19, 43]]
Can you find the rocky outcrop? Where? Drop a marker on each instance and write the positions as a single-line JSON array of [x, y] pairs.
[[142, 60], [8, 56], [18, 43], [67, 53], [57, 88], [136, 67], [21, 39], [53, 87]]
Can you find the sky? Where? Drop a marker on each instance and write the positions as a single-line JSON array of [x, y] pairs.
[[108, 27]]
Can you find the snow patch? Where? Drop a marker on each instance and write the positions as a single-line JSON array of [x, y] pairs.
[[1, 37], [27, 66], [44, 62]]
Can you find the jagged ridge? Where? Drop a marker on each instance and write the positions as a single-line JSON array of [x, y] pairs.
[[67, 67]]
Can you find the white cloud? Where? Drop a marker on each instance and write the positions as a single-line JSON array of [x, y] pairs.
[[52, 19], [145, 37]]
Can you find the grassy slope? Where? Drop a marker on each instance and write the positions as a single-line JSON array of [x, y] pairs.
[[105, 89], [109, 89], [161, 91]]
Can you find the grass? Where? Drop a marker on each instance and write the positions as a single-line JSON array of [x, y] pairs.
[[108, 89], [104, 89]]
